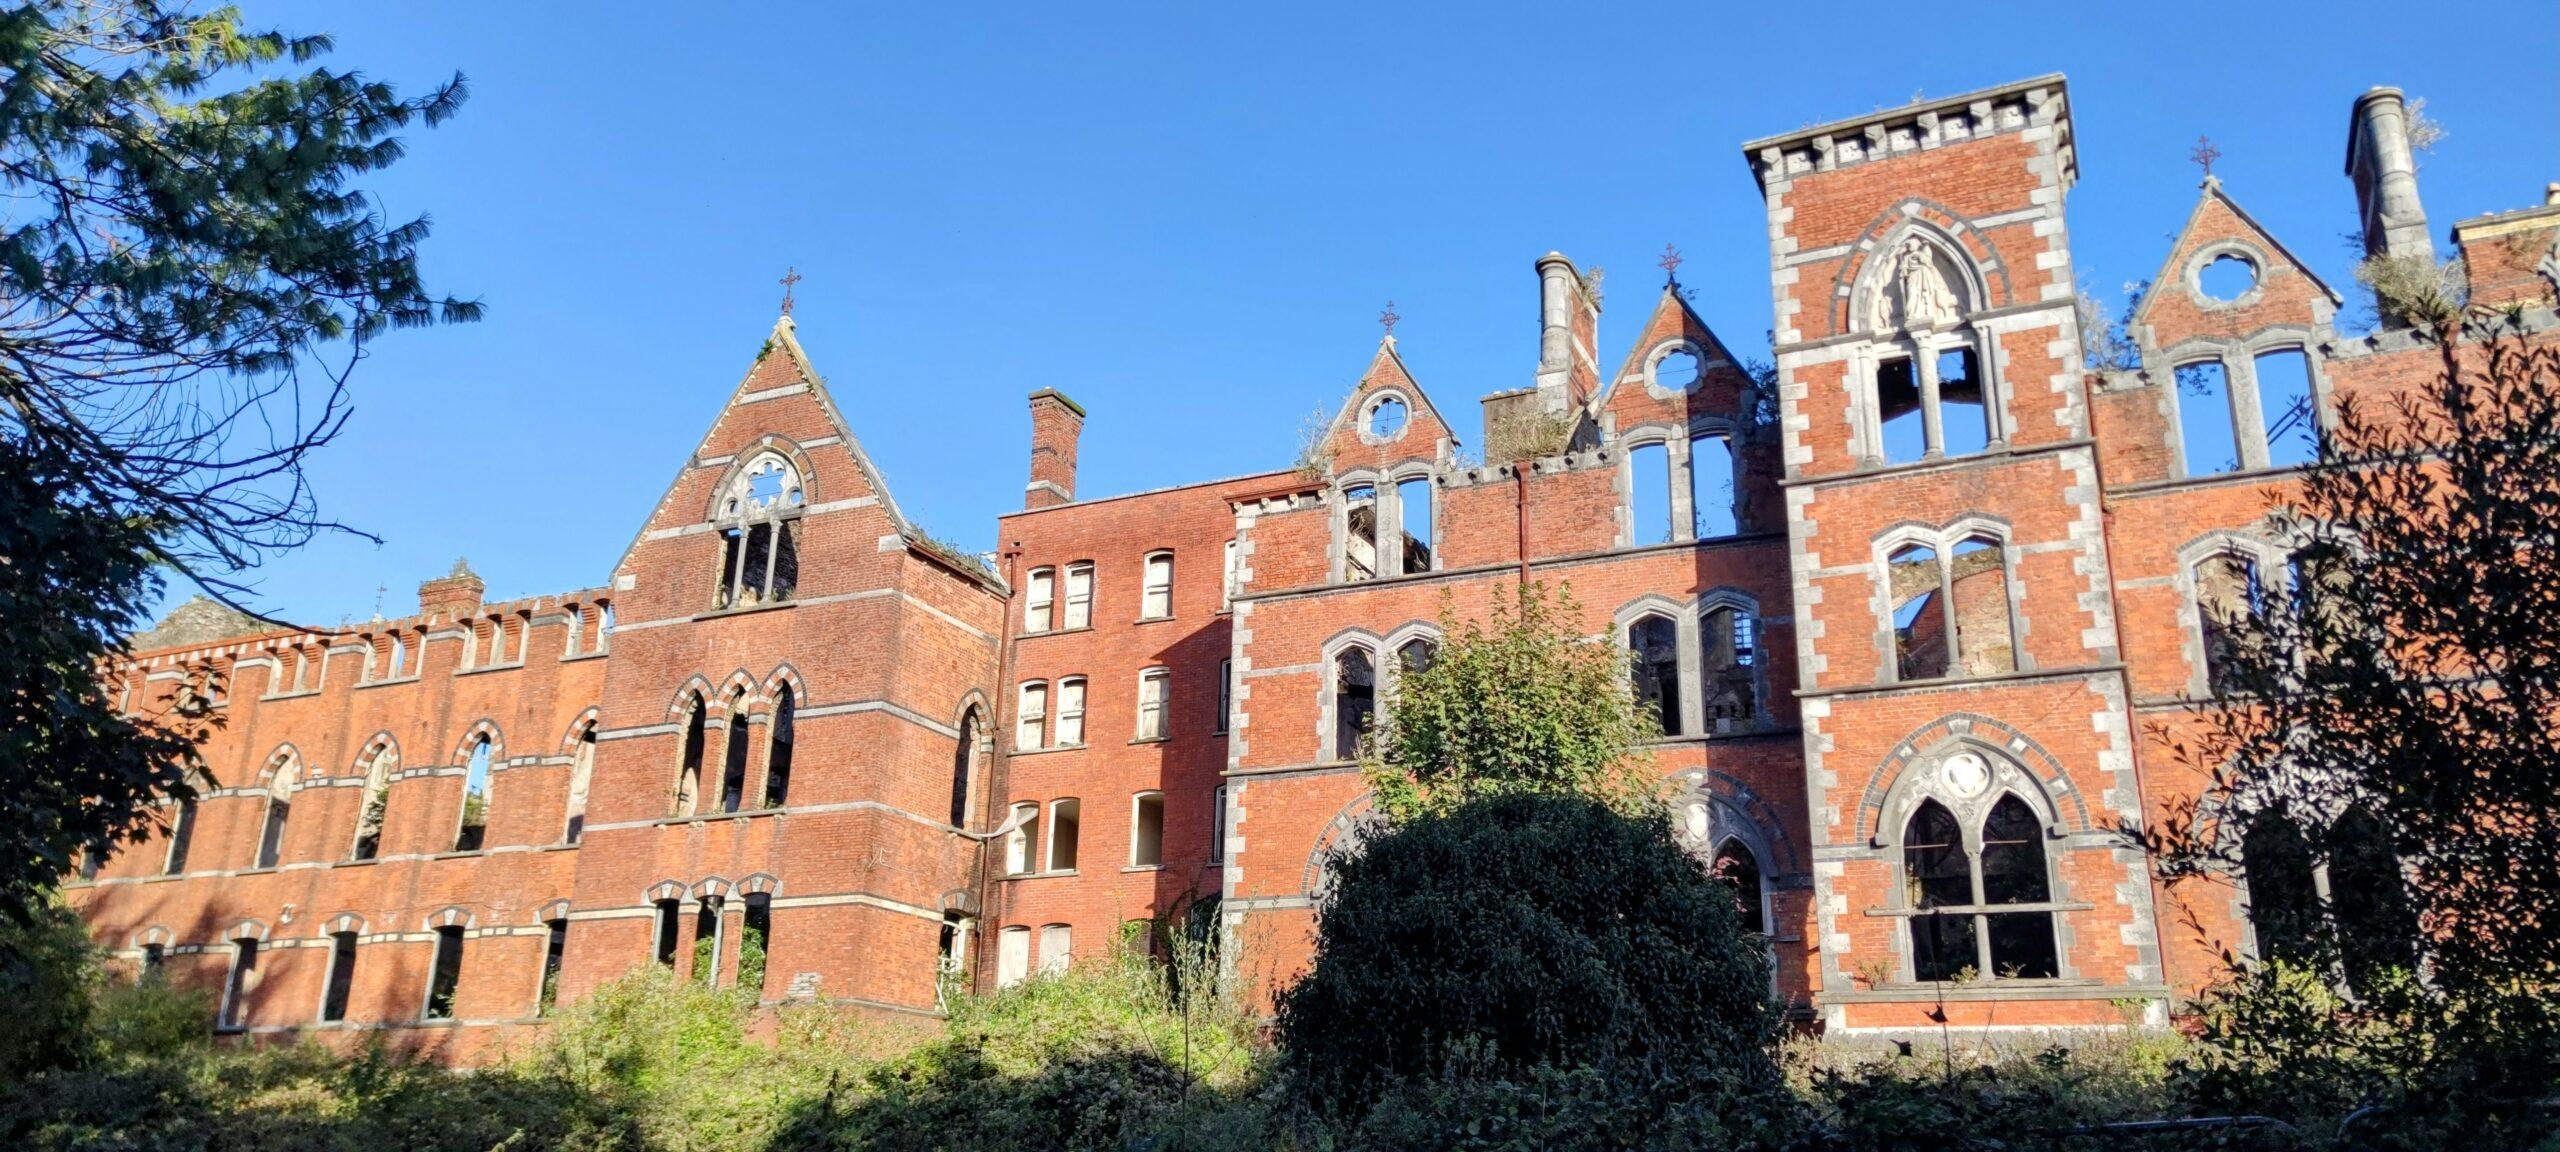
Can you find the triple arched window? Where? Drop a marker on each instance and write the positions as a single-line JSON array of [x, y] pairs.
[[759, 524]]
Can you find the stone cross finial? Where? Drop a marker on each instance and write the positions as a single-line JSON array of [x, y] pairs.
[[790, 276], [1670, 264], [2204, 155], [1388, 318]]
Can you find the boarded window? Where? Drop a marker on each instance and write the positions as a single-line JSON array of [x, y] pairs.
[[1079, 608], [1057, 949], [1031, 716], [1071, 711], [1156, 599], [1013, 956], [1038, 593], [1154, 686]]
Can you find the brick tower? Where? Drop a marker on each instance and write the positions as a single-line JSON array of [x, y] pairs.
[[1967, 742]]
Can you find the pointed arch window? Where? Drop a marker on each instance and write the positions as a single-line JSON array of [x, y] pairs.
[[475, 796], [778, 748], [2229, 599], [964, 768], [1982, 907], [689, 766], [582, 770], [760, 535], [376, 809], [280, 788], [1739, 867], [1355, 699], [1951, 612], [1653, 643], [1360, 532], [1729, 666], [733, 753], [2284, 892]]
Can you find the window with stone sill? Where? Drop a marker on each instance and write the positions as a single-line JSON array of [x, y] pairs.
[[1950, 610], [1039, 594], [1154, 687], [1062, 835], [1079, 596], [1355, 699], [1021, 845], [1071, 695], [1031, 717], [1155, 601], [1146, 830], [759, 524], [1983, 902]]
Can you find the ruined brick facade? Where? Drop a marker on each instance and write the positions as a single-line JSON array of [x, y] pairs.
[[1920, 609]]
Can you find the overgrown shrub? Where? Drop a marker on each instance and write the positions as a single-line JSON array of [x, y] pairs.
[[1523, 931]]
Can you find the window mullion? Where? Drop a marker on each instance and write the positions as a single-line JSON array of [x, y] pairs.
[[1933, 438], [1947, 606]]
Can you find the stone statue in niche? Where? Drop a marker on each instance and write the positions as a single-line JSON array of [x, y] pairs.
[[1915, 294]]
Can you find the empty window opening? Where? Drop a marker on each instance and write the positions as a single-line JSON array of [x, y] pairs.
[[1039, 594], [1226, 692], [755, 942], [342, 977], [1654, 643], [242, 981], [1156, 597], [760, 536], [1387, 418], [1031, 716], [708, 930], [2285, 402], [1079, 606], [475, 799], [1902, 437], [1649, 493], [2284, 895], [1020, 845], [1154, 688], [1986, 916], [1713, 512], [1218, 825], [1936, 877], [2013, 872], [733, 754], [1964, 403], [2228, 600], [1064, 821], [555, 951], [2376, 926], [1146, 830], [582, 770], [1416, 656], [2205, 419], [2227, 277], [153, 956], [444, 980], [1355, 697], [1914, 586], [778, 750], [1678, 369], [1742, 870], [689, 769], [663, 948], [1979, 579], [182, 834], [964, 768], [1729, 660], [399, 657], [376, 808], [1413, 512], [1013, 956], [1071, 696], [1360, 532], [279, 811], [1057, 950]]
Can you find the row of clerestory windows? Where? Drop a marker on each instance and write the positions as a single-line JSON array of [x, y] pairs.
[[499, 640]]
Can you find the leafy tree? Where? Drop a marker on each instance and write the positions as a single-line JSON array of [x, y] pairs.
[[2399, 699], [181, 246], [1512, 932], [1513, 703]]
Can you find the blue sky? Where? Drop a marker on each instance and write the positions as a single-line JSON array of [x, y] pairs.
[[1188, 217]]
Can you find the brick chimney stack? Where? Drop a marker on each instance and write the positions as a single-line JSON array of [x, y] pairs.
[[1056, 422], [454, 595], [2384, 170]]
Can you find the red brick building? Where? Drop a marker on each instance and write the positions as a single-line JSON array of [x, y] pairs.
[[1917, 611]]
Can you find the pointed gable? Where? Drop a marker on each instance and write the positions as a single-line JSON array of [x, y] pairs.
[[2284, 294], [1349, 443], [1636, 397]]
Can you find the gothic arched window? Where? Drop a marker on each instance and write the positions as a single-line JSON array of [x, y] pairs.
[[1985, 907], [379, 764], [1654, 648], [475, 795], [1355, 699], [760, 535], [288, 775]]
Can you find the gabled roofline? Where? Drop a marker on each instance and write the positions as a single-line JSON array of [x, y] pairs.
[[1387, 351], [2212, 191]]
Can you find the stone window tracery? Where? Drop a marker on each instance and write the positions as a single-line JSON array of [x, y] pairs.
[[759, 518], [1977, 889]]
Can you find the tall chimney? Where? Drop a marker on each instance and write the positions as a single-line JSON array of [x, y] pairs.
[[2385, 175], [1056, 422], [1568, 322], [454, 595]]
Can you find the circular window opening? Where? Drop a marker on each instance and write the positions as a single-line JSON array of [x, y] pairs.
[[1386, 419], [2228, 277], [1679, 370]]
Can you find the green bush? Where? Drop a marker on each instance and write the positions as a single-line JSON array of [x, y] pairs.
[[1516, 932], [49, 975]]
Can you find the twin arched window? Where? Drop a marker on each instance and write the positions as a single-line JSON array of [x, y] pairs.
[[1982, 903], [1387, 532], [1693, 497], [759, 518], [1950, 611], [1354, 690], [1727, 669]]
